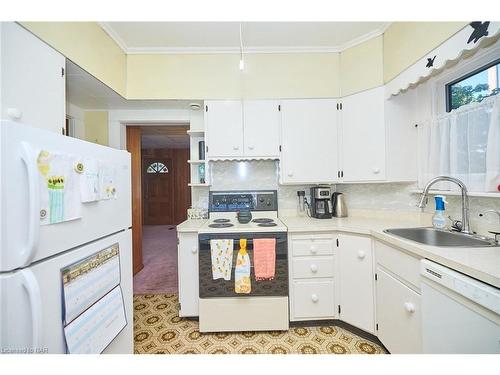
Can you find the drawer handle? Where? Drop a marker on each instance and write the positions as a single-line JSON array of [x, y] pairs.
[[194, 250], [290, 174], [314, 298], [361, 254], [250, 147], [236, 148], [410, 307], [313, 250], [314, 268]]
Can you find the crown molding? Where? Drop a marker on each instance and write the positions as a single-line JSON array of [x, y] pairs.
[[236, 50]]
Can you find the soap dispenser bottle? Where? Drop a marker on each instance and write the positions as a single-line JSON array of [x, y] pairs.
[[439, 219]]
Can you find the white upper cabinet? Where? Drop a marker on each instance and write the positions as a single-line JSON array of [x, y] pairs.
[[224, 124], [363, 136], [308, 141], [32, 82], [248, 129], [261, 126]]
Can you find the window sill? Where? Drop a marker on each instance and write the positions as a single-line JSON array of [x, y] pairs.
[[456, 192]]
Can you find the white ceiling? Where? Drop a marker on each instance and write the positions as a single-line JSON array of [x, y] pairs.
[[175, 37], [87, 92], [170, 136]]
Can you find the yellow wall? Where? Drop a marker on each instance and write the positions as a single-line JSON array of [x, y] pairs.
[[218, 76], [87, 45], [407, 42], [361, 66], [96, 127]]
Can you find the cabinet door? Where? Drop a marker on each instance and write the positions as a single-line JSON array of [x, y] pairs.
[[32, 80], [224, 122], [356, 282], [363, 136], [261, 119], [398, 315], [188, 274], [309, 141]]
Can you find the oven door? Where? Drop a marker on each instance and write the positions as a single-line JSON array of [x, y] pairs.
[[210, 288]]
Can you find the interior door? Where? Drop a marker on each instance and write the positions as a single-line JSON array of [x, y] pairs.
[[224, 122], [309, 141], [261, 119], [158, 191], [363, 136]]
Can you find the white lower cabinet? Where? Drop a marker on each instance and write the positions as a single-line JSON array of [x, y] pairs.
[[312, 276], [188, 273], [356, 281], [398, 315], [313, 299]]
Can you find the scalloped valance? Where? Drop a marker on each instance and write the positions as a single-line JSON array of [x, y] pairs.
[[463, 43]]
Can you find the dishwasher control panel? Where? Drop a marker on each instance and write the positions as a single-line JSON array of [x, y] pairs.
[[472, 289]]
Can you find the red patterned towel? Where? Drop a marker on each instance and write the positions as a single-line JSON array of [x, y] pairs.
[[264, 258]]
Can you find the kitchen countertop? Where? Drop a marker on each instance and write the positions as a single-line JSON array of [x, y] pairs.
[[191, 225], [480, 263]]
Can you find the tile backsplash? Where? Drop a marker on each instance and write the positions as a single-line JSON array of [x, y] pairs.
[[263, 174]]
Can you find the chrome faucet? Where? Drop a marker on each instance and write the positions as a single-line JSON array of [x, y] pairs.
[[465, 200]]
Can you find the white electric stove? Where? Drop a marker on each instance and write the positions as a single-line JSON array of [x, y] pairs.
[[266, 306]]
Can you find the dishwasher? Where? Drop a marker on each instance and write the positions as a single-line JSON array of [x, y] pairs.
[[460, 315]]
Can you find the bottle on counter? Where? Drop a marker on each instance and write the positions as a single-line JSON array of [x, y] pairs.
[[440, 219]]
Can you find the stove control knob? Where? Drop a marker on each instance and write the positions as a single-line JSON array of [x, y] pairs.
[[268, 202]]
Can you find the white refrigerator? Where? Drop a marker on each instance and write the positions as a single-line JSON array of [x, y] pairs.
[[66, 252]]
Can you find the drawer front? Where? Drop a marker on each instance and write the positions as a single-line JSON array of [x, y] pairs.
[[314, 300], [312, 267], [398, 262], [310, 246]]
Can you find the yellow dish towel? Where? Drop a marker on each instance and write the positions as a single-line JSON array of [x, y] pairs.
[[242, 272], [222, 258]]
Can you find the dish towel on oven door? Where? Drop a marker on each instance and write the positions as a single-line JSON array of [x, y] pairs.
[[221, 252], [264, 258], [242, 270]]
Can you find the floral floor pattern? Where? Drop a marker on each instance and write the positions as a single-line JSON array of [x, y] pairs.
[[158, 329]]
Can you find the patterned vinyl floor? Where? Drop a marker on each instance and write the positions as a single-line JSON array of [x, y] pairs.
[[158, 329]]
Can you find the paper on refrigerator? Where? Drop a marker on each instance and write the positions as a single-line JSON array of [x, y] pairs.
[[89, 181], [107, 181], [93, 308], [59, 186]]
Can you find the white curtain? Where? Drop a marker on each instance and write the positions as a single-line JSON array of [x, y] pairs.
[[465, 144]]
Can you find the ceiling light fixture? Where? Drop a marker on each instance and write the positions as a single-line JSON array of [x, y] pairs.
[[242, 63]]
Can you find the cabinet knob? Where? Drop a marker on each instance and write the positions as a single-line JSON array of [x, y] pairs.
[[236, 148], [361, 254], [314, 268], [14, 113], [376, 170], [313, 250], [410, 307], [194, 250], [314, 298], [250, 147], [290, 174]]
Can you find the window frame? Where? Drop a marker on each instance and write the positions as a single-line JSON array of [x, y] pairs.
[[447, 86], [454, 73]]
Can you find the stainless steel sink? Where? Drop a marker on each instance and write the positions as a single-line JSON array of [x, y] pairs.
[[436, 237]]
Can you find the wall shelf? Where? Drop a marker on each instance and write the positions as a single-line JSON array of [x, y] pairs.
[[457, 193], [196, 133], [192, 184], [196, 161]]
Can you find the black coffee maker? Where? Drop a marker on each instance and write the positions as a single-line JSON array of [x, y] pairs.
[[321, 205]]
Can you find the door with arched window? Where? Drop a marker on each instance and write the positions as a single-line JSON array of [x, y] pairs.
[[158, 208]]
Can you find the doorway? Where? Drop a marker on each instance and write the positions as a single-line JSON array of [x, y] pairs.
[[164, 198]]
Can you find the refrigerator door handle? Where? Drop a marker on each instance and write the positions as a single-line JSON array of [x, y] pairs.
[[30, 283], [29, 159]]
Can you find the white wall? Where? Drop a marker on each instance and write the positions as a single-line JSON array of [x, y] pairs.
[[77, 114]]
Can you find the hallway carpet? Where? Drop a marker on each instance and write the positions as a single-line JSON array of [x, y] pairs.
[[159, 252], [158, 329]]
